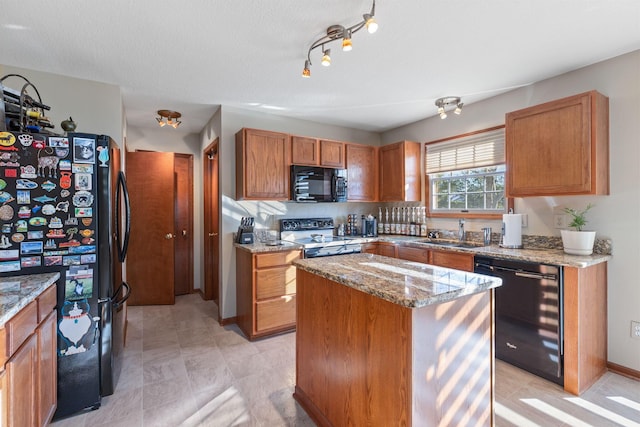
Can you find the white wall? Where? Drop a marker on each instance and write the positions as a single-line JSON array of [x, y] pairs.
[[168, 139], [616, 216], [225, 126], [95, 107]]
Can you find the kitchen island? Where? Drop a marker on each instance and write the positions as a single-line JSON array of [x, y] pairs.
[[383, 341]]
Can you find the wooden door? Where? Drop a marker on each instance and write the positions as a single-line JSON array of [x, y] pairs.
[[211, 222], [21, 387], [47, 369], [150, 259], [332, 154], [183, 268], [305, 151]]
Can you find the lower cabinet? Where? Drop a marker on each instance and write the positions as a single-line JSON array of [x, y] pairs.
[[441, 258], [265, 292], [448, 259], [413, 254], [28, 381]]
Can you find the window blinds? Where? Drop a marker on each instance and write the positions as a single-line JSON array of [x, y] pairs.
[[473, 151]]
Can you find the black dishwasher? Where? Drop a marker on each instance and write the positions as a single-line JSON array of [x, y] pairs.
[[529, 323]]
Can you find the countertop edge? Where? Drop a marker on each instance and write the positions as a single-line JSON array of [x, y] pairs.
[[395, 298], [31, 287]]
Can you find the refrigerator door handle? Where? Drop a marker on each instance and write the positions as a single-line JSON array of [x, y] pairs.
[[125, 296], [123, 192]]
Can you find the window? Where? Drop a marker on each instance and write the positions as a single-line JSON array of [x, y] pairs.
[[466, 175]]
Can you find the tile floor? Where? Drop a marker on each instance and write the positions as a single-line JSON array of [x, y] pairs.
[[183, 369]]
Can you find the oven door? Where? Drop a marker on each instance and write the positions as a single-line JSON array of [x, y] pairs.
[[332, 250]]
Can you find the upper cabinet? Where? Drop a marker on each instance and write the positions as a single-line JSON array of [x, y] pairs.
[[400, 179], [362, 168], [317, 152], [332, 154], [305, 151], [262, 165], [559, 148]]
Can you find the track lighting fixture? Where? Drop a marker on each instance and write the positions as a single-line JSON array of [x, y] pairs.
[[339, 32], [446, 102], [168, 117]]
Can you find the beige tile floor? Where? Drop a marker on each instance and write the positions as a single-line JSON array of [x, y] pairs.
[[183, 369]]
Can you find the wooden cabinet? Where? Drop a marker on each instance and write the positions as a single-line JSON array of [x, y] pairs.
[[262, 165], [265, 292], [559, 148], [305, 151], [29, 375], [332, 154], [400, 177], [370, 248], [317, 152], [413, 254], [362, 172], [448, 259], [388, 249]]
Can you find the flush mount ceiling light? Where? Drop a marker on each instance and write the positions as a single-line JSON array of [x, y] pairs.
[[339, 32], [168, 117], [448, 102]]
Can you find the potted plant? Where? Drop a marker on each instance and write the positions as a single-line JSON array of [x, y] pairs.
[[578, 241]]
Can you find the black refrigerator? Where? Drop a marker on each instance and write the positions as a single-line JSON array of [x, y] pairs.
[[64, 207]]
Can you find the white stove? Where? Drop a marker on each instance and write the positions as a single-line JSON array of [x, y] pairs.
[[316, 237]]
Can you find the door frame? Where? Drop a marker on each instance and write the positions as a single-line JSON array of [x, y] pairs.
[[189, 217], [211, 229]]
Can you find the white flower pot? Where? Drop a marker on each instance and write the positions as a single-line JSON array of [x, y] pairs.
[[578, 242]]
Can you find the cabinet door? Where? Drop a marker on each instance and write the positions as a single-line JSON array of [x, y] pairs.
[[400, 177], [262, 165], [362, 168], [3, 398], [332, 154], [47, 369], [387, 249], [21, 385], [275, 282], [413, 254], [370, 248], [560, 147], [456, 260], [305, 151]]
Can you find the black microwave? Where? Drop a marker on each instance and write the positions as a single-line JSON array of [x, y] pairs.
[[316, 184]]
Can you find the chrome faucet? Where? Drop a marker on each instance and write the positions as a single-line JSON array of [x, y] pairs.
[[461, 233]]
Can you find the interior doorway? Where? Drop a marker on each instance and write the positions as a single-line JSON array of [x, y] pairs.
[[183, 245], [211, 223]]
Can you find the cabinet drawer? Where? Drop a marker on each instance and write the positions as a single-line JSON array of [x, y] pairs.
[[276, 258], [276, 313], [454, 260], [21, 326], [275, 282], [46, 303], [413, 254]]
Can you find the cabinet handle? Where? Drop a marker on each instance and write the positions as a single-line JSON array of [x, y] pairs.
[[169, 236]]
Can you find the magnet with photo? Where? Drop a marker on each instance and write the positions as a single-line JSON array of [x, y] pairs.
[[31, 248], [83, 181], [60, 142], [9, 254], [76, 327], [31, 261], [71, 260], [36, 234], [80, 168], [8, 266], [78, 283], [50, 261], [24, 197], [84, 150], [83, 212], [88, 259]]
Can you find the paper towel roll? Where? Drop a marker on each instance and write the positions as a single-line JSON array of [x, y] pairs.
[[512, 230]]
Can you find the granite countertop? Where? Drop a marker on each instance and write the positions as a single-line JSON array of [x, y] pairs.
[[18, 291], [401, 282], [530, 253]]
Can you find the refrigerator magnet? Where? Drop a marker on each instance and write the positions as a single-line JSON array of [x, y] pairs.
[[80, 168], [25, 139], [32, 261], [82, 181], [65, 180], [103, 157], [50, 261], [10, 173], [28, 171], [65, 165], [83, 212], [59, 142], [24, 197], [75, 327], [8, 266], [9, 255], [84, 150], [31, 248], [71, 260], [88, 259]]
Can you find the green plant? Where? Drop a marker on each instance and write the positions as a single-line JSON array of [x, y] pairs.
[[578, 218]]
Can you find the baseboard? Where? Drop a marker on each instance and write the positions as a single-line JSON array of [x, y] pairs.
[[623, 370], [228, 321]]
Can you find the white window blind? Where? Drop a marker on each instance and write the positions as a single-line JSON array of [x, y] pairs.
[[473, 151]]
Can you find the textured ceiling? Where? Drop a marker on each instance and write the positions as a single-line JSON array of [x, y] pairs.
[[194, 56]]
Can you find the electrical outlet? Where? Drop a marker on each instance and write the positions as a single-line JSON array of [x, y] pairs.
[[559, 220], [635, 329]]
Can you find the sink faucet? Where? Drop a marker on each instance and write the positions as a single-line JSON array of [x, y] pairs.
[[461, 233]]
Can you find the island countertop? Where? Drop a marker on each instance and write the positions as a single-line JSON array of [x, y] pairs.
[[406, 283], [18, 291]]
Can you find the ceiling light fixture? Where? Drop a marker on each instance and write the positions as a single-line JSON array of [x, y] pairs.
[[446, 102], [168, 117], [337, 32]]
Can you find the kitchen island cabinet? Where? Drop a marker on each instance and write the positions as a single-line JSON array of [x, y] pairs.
[[382, 341]]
